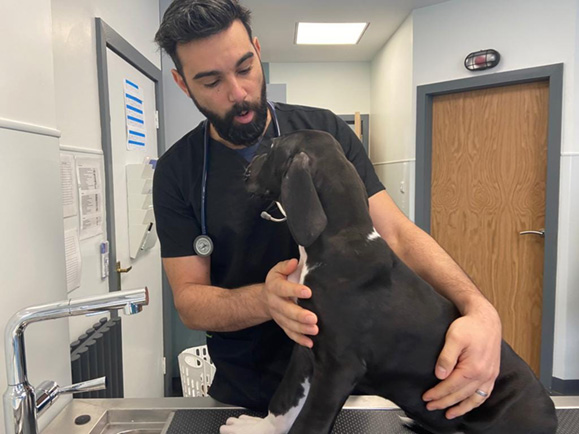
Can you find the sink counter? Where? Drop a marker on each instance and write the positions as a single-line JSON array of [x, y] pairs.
[[150, 415], [154, 415]]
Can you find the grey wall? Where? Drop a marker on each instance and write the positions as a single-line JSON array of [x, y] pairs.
[[181, 115]]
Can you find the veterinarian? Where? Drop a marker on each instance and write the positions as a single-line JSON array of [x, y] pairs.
[[228, 262]]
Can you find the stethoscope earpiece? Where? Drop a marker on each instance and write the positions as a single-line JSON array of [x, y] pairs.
[[267, 216]]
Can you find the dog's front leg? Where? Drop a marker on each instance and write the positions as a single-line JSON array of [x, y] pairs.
[[330, 387], [286, 403]]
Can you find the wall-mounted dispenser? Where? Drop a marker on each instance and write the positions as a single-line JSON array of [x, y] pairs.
[[142, 231]]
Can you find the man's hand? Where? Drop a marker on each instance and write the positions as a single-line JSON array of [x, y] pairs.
[[279, 295], [469, 362]]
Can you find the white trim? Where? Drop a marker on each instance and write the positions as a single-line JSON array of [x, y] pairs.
[[569, 154], [383, 163], [28, 128], [79, 149]]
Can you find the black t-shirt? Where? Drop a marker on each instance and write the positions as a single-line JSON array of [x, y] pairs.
[[251, 362]]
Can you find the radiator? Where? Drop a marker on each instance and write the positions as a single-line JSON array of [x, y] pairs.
[[99, 353]]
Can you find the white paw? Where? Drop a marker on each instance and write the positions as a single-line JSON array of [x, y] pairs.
[[406, 421], [249, 425]]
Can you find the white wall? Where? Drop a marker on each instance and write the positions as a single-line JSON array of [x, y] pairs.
[[32, 258], [29, 32], [527, 33], [382, 89], [75, 58], [392, 117], [343, 87], [567, 325], [77, 102]]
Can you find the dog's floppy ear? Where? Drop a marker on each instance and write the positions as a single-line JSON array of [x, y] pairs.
[[305, 216]]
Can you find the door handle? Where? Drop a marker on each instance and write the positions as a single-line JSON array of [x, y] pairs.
[[123, 270], [540, 232]]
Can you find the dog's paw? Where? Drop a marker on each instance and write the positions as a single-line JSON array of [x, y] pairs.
[[250, 425], [413, 426]]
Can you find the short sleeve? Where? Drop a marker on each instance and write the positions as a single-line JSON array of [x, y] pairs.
[[177, 225]]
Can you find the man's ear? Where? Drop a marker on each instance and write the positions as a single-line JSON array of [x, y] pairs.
[[257, 46], [180, 81], [305, 216]]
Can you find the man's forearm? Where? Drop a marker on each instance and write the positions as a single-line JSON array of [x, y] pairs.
[[204, 307]]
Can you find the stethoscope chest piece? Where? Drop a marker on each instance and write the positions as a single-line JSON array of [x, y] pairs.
[[203, 245]]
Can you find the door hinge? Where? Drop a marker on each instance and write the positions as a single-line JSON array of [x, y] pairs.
[[157, 119]]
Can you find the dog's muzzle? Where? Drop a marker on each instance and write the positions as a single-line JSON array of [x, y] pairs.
[[252, 171]]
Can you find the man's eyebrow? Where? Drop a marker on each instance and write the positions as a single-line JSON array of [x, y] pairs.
[[243, 58], [248, 55]]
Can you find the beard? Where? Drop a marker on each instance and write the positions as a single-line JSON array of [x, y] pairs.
[[239, 134]]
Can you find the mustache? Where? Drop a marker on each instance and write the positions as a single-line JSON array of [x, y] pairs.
[[239, 108]]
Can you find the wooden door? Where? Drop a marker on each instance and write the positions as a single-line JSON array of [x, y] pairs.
[[489, 168]]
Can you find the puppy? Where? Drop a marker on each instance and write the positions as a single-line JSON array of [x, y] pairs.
[[381, 327]]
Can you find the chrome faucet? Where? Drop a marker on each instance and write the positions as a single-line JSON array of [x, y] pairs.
[[24, 403]]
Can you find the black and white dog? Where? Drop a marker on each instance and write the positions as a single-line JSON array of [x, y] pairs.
[[381, 328]]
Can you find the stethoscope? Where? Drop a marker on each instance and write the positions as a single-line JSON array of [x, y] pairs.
[[203, 245]]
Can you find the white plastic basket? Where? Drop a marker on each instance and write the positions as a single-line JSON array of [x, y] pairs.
[[197, 371]]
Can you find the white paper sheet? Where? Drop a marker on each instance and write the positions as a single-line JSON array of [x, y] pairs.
[[89, 178], [67, 179], [73, 259]]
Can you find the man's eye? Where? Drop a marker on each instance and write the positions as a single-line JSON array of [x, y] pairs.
[[245, 71], [212, 84]]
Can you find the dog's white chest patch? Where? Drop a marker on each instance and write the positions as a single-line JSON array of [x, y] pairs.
[[299, 275], [271, 424], [373, 235]]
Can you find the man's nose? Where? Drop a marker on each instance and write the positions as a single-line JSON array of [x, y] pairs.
[[236, 92]]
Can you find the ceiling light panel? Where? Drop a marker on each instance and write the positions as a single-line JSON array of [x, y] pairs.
[[330, 33]]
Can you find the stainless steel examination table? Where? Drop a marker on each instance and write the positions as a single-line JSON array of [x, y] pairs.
[[361, 415]]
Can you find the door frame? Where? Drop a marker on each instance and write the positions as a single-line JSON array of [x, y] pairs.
[[107, 37], [554, 75]]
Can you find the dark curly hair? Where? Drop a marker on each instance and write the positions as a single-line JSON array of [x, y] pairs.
[[187, 20]]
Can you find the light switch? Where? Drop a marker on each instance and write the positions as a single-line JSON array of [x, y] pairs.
[[104, 259]]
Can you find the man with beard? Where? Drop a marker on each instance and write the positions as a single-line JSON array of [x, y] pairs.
[[235, 292]]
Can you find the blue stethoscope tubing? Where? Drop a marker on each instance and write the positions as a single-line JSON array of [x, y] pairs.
[[203, 245]]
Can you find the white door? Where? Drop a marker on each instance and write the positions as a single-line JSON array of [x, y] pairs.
[[142, 333]]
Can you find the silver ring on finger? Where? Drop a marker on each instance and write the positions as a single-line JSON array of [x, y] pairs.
[[481, 393]]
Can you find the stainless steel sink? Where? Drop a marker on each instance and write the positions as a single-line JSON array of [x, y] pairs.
[[115, 430], [126, 416], [132, 421]]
